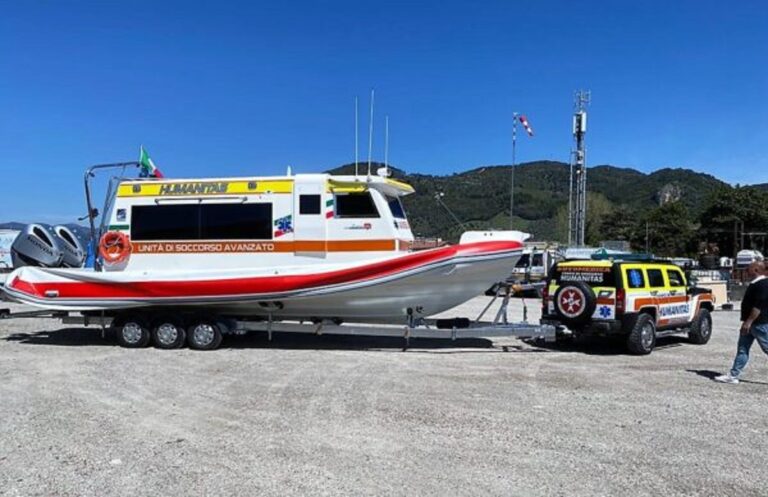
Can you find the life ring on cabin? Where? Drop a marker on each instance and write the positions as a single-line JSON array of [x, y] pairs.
[[114, 247]]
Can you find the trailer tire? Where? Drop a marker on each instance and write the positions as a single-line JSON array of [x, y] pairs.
[[132, 332], [168, 333], [701, 327], [204, 335], [642, 334]]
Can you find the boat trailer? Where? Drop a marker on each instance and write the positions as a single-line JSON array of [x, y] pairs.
[[452, 328]]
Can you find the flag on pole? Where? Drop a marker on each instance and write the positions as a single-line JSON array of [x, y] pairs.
[[148, 168], [524, 122]]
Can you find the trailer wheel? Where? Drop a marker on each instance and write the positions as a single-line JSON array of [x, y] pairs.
[[132, 332], [204, 335], [168, 334], [642, 334], [701, 328]]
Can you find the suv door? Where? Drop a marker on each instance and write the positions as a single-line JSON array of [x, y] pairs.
[[678, 305], [659, 292]]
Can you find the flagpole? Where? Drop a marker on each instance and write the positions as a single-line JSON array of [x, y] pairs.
[[512, 172]]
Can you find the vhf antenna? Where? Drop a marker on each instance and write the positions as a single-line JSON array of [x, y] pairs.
[[370, 135], [386, 146], [357, 129]]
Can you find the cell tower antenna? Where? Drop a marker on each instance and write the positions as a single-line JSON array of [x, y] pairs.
[[577, 196]]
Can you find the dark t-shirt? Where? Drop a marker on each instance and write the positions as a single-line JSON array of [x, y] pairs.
[[756, 296]]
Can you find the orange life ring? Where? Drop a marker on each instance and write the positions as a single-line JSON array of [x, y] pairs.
[[114, 247]]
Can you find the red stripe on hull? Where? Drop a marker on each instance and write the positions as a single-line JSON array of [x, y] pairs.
[[256, 285]]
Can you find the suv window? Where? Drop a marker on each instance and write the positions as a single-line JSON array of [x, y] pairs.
[[591, 275], [635, 278], [675, 277], [655, 278]]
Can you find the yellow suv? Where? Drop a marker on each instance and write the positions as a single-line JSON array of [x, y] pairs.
[[641, 300]]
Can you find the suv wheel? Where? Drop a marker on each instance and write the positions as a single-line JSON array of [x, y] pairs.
[[642, 334], [701, 327]]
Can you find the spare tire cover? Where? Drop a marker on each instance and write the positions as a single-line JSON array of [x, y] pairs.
[[575, 302]]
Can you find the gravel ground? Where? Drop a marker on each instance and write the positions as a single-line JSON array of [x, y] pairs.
[[328, 415]]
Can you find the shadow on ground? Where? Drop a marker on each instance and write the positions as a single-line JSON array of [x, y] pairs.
[[603, 345], [81, 337], [710, 375]]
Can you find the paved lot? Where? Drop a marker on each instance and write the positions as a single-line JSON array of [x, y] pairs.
[[352, 416]]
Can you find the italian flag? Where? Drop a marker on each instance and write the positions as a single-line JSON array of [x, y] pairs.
[[148, 168]]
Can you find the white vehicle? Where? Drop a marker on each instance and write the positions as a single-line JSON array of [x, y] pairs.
[[746, 257]]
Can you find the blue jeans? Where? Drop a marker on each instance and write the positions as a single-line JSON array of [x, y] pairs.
[[758, 332]]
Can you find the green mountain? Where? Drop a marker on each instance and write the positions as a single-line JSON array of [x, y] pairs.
[[480, 197]]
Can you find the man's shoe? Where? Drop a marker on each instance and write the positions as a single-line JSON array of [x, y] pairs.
[[726, 378]]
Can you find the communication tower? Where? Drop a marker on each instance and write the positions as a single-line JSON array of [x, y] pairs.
[[577, 197]]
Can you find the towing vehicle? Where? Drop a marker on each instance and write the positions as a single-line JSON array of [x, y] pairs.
[[640, 300]]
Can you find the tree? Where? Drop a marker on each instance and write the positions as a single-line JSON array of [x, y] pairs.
[[671, 231], [732, 210]]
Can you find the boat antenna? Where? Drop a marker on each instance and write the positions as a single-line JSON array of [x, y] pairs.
[[357, 132], [386, 146], [370, 135], [439, 198]]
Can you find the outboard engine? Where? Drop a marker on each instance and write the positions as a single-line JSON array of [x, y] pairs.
[[71, 248], [36, 246]]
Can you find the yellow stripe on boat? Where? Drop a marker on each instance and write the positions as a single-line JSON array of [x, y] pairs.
[[400, 185], [198, 188]]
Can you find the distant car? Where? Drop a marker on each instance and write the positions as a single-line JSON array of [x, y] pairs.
[[746, 257], [637, 300]]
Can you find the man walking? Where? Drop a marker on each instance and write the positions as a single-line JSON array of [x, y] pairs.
[[754, 321]]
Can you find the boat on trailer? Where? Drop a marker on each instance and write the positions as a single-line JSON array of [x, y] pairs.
[[177, 253]]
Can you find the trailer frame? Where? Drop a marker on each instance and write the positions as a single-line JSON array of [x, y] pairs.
[[413, 327]]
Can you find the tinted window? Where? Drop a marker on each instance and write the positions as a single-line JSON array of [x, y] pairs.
[[202, 222], [165, 222], [236, 221], [655, 278], [523, 260], [309, 204], [396, 207], [675, 277], [538, 260], [635, 278], [355, 205], [591, 275]]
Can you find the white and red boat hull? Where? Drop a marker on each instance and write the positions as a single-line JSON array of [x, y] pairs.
[[380, 290]]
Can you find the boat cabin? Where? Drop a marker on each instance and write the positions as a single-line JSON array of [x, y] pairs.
[[228, 222]]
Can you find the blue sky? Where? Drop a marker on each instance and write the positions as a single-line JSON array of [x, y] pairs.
[[236, 88]]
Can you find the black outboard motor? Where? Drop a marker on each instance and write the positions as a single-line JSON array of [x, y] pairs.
[[70, 246], [36, 246]]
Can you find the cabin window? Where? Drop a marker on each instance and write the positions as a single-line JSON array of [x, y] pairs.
[[165, 222], [396, 207], [356, 205], [236, 222], [309, 204], [202, 222]]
